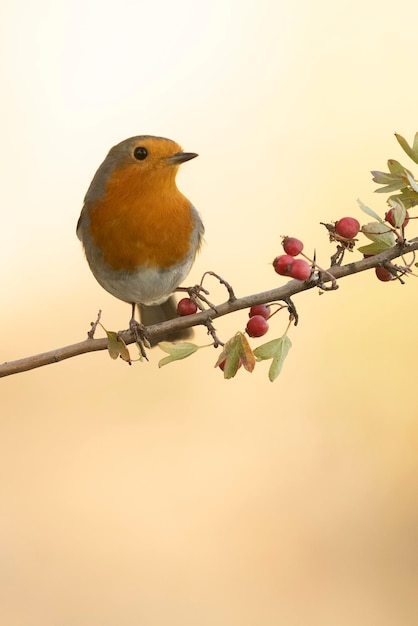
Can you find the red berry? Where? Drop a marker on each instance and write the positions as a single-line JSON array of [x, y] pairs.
[[186, 306], [292, 246], [257, 326], [260, 309], [347, 227], [282, 264], [383, 274], [389, 217], [300, 269]]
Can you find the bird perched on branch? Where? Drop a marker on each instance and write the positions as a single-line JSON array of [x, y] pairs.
[[140, 233]]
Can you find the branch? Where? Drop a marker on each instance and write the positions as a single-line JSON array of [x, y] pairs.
[[157, 331]]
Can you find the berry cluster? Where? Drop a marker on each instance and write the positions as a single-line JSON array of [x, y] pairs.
[[345, 230], [257, 325], [287, 265]]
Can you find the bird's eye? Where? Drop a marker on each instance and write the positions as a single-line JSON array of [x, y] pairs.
[[140, 153]]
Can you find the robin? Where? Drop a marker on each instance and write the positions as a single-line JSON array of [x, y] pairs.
[[139, 232]]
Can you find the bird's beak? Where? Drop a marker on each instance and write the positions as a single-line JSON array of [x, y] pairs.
[[181, 157]]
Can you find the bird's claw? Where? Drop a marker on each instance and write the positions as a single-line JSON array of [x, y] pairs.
[[140, 333]]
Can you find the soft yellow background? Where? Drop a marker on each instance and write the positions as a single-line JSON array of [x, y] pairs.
[[133, 495]]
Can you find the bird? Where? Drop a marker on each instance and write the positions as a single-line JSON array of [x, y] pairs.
[[140, 234]]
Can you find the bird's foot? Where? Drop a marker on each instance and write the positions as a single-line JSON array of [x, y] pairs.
[[140, 333]]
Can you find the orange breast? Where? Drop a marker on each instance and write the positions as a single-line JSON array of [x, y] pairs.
[[142, 222]]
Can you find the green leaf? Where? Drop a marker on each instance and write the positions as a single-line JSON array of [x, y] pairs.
[[112, 344], [116, 346], [369, 211], [277, 350], [246, 353], [408, 197], [411, 152], [412, 182], [373, 248], [381, 177], [398, 184], [379, 233], [237, 350], [176, 351], [398, 178], [232, 365], [267, 350], [396, 168], [124, 352]]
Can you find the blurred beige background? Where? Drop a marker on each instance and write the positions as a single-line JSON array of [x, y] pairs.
[[133, 495]]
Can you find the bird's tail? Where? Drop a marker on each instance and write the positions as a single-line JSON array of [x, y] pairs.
[[156, 314]]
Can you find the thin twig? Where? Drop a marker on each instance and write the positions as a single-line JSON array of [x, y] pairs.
[[94, 325]]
